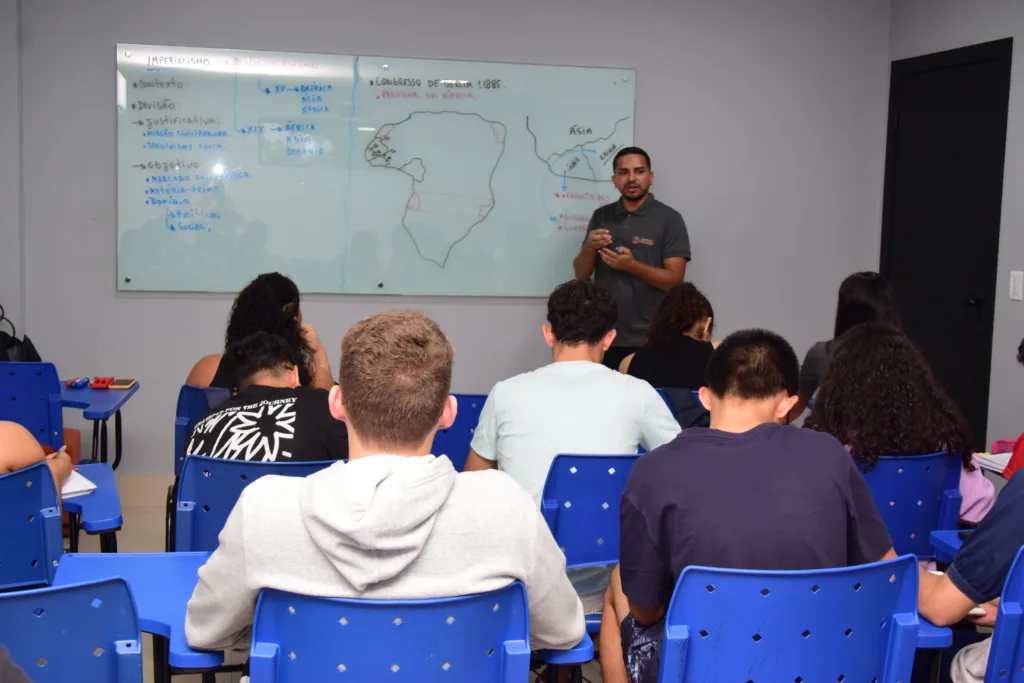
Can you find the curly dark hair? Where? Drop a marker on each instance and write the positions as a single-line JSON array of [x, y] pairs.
[[581, 312], [682, 308], [270, 303], [259, 352], [753, 365], [865, 297], [879, 397]]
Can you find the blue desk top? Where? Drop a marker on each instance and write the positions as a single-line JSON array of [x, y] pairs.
[[101, 509], [929, 636], [946, 544], [161, 583], [97, 404]]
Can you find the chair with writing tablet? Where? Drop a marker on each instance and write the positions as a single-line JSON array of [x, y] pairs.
[[30, 528], [208, 489], [454, 441], [79, 632], [484, 638], [916, 495], [580, 504], [847, 624], [30, 396]]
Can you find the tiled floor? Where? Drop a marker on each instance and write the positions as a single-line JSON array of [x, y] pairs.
[[143, 533]]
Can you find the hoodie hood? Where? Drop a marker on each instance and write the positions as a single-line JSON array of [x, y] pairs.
[[371, 517]]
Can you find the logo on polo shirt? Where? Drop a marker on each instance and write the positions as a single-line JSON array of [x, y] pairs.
[[641, 240]]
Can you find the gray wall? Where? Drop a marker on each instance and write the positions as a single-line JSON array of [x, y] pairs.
[[10, 171], [923, 26], [766, 122]]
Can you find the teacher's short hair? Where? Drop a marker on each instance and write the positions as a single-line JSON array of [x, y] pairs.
[[626, 151], [753, 365], [581, 312]]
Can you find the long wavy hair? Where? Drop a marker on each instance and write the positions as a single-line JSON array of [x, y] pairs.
[[879, 397], [678, 314], [270, 304], [863, 298]]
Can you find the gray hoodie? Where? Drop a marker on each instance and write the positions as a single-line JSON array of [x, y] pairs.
[[386, 527]]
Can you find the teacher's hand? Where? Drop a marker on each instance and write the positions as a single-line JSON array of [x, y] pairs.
[[599, 239], [618, 260]]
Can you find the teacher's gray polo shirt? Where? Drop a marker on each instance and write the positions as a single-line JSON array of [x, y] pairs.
[[654, 232]]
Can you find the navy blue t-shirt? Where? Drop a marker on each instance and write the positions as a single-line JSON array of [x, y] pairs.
[[771, 498], [979, 570]]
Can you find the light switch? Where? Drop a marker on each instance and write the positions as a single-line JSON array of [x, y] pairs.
[[1017, 285]]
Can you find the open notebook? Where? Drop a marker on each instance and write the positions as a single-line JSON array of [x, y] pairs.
[[76, 485], [993, 463]]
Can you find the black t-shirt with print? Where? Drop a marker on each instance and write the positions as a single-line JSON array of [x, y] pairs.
[[271, 424]]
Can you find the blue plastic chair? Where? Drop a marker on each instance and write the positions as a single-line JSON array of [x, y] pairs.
[[30, 528], [30, 396], [848, 624], [481, 638], [209, 488], [1006, 659], [916, 495], [454, 441], [580, 504], [80, 632], [193, 403]]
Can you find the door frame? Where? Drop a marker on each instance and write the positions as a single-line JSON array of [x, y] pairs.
[[995, 50]]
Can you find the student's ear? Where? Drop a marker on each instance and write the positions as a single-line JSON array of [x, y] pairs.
[[293, 377], [784, 408], [334, 400], [707, 329], [705, 397], [549, 336], [448, 413], [606, 342]]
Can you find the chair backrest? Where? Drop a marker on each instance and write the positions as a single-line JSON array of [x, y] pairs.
[[209, 488], [30, 528], [848, 624], [79, 632], [580, 503], [30, 396], [1006, 658], [454, 441], [482, 638], [916, 495], [193, 403]]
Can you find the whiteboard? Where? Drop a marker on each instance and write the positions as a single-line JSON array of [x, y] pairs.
[[356, 174]]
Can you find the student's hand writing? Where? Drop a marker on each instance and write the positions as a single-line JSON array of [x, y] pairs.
[[599, 239], [60, 466], [619, 260]]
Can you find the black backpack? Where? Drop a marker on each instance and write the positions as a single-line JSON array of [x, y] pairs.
[[16, 350], [688, 411]]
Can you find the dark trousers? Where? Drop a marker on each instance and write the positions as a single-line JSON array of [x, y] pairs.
[[615, 354]]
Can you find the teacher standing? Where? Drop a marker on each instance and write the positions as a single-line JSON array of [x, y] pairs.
[[637, 248]]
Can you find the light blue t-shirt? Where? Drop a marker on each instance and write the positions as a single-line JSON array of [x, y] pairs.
[[568, 407]]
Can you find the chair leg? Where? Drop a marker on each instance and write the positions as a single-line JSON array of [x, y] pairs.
[[209, 677], [161, 670], [74, 524]]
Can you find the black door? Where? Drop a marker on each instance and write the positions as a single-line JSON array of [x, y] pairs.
[[940, 224]]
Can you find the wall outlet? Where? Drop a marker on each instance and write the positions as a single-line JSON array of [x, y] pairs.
[[1017, 285]]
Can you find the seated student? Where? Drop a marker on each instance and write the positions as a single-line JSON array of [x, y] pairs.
[[863, 297], [573, 405], [271, 418], [270, 303], [879, 397], [1016, 461], [747, 493], [394, 522], [976, 577], [678, 344], [19, 449]]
